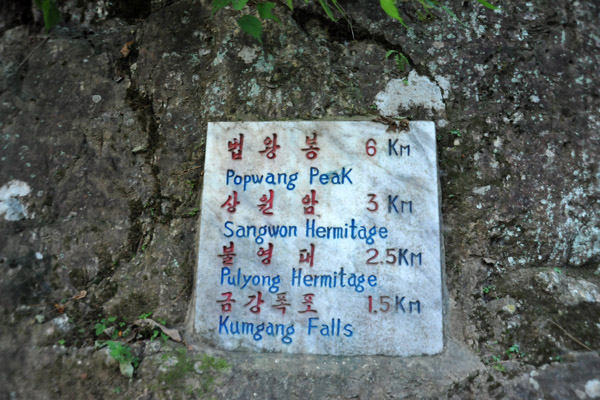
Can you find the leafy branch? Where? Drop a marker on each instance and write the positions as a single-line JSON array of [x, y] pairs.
[[252, 25], [427, 6]]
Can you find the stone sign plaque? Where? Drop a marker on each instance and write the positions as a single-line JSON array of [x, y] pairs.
[[320, 238]]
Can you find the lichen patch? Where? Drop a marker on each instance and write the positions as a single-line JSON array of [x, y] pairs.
[[414, 91], [10, 206]]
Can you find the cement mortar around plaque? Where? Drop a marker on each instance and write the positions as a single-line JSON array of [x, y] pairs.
[[320, 238]]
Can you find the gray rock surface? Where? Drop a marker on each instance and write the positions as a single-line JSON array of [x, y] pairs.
[[112, 149]]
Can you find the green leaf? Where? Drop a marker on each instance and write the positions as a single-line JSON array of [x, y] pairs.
[[290, 4], [264, 10], [401, 61], [251, 25], [239, 4], [327, 10], [99, 328], [112, 319], [339, 8], [164, 338], [389, 53], [487, 5], [51, 14], [428, 4], [450, 13], [218, 4], [145, 315], [390, 9], [424, 17]]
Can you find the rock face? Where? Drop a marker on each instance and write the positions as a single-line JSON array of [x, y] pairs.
[[101, 171]]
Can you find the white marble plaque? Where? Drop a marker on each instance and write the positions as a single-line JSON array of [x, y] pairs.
[[320, 238]]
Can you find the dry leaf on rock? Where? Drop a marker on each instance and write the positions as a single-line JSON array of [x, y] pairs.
[[399, 125], [172, 333], [109, 331], [80, 295], [126, 49]]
